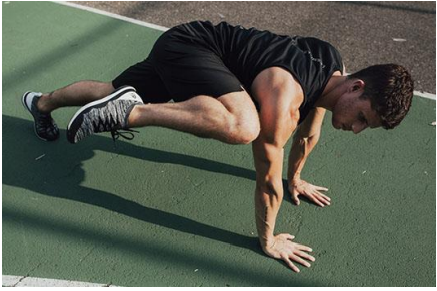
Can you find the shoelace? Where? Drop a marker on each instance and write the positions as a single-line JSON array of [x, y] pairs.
[[126, 134], [44, 120]]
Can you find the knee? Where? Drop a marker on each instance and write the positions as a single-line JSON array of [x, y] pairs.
[[242, 118], [245, 130], [97, 89], [107, 87]]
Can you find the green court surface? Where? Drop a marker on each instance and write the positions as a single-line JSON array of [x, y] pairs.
[[170, 209]]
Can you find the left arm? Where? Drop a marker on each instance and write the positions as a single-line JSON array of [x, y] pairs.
[[304, 140], [302, 146]]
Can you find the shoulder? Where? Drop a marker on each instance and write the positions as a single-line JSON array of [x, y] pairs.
[[276, 83]]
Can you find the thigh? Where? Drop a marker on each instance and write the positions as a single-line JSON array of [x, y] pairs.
[[144, 78], [190, 70], [241, 105]]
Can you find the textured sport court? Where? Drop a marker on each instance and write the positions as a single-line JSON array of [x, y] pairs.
[[170, 209]]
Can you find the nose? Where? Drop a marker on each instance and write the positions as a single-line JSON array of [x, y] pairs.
[[358, 127]]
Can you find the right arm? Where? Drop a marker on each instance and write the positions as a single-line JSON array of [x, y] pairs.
[[278, 117]]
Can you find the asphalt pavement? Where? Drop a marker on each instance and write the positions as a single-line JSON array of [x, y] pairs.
[[365, 33]]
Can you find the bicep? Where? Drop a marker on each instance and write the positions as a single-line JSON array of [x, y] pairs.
[[279, 112], [277, 126], [279, 96]]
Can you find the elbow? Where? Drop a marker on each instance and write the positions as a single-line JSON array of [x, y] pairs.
[[310, 141], [271, 187]]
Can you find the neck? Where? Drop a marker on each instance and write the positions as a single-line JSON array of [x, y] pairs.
[[333, 90]]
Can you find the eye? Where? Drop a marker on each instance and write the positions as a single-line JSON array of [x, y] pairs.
[[362, 118]]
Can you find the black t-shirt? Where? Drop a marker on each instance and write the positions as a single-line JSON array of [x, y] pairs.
[[247, 52]]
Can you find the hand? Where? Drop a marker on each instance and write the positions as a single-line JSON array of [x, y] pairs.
[[284, 249], [300, 187]]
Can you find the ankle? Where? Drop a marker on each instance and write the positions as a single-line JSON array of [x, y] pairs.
[[133, 119], [42, 104]]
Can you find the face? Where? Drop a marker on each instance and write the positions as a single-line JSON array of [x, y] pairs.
[[351, 113]]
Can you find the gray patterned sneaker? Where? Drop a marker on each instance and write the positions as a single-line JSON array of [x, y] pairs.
[[45, 128], [108, 114]]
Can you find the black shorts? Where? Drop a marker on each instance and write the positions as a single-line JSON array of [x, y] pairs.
[[179, 69]]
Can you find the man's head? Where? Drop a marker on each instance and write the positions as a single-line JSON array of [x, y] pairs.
[[377, 96]]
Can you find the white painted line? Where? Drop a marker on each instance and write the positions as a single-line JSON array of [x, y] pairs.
[[162, 28], [11, 281], [113, 15], [425, 95], [17, 281]]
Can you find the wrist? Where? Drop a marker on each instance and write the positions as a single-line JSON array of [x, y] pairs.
[[267, 243], [294, 178]]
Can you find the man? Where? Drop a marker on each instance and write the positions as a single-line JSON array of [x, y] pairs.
[[239, 86]]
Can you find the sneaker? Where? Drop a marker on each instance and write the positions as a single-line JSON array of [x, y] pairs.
[[108, 114], [45, 128]]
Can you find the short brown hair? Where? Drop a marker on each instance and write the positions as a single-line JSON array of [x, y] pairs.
[[390, 90]]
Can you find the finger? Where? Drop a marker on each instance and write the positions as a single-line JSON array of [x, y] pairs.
[[321, 188], [317, 196], [322, 199], [290, 264], [304, 248], [305, 256], [299, 260], [326, 197], [316, 201], [290, 237], [295, 199]]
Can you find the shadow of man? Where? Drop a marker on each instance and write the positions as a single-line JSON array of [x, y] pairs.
[[62, 179]]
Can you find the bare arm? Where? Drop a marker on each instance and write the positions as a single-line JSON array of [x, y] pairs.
[[304, 141], [268, 156], [278, 117]]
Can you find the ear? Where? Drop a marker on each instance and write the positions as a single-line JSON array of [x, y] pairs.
[[357, 85]]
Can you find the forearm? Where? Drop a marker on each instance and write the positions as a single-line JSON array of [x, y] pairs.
[[269, 191], [300, 150], [268, 198]]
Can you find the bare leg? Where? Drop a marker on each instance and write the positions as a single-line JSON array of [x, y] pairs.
[[76, 94], [231, 118]]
